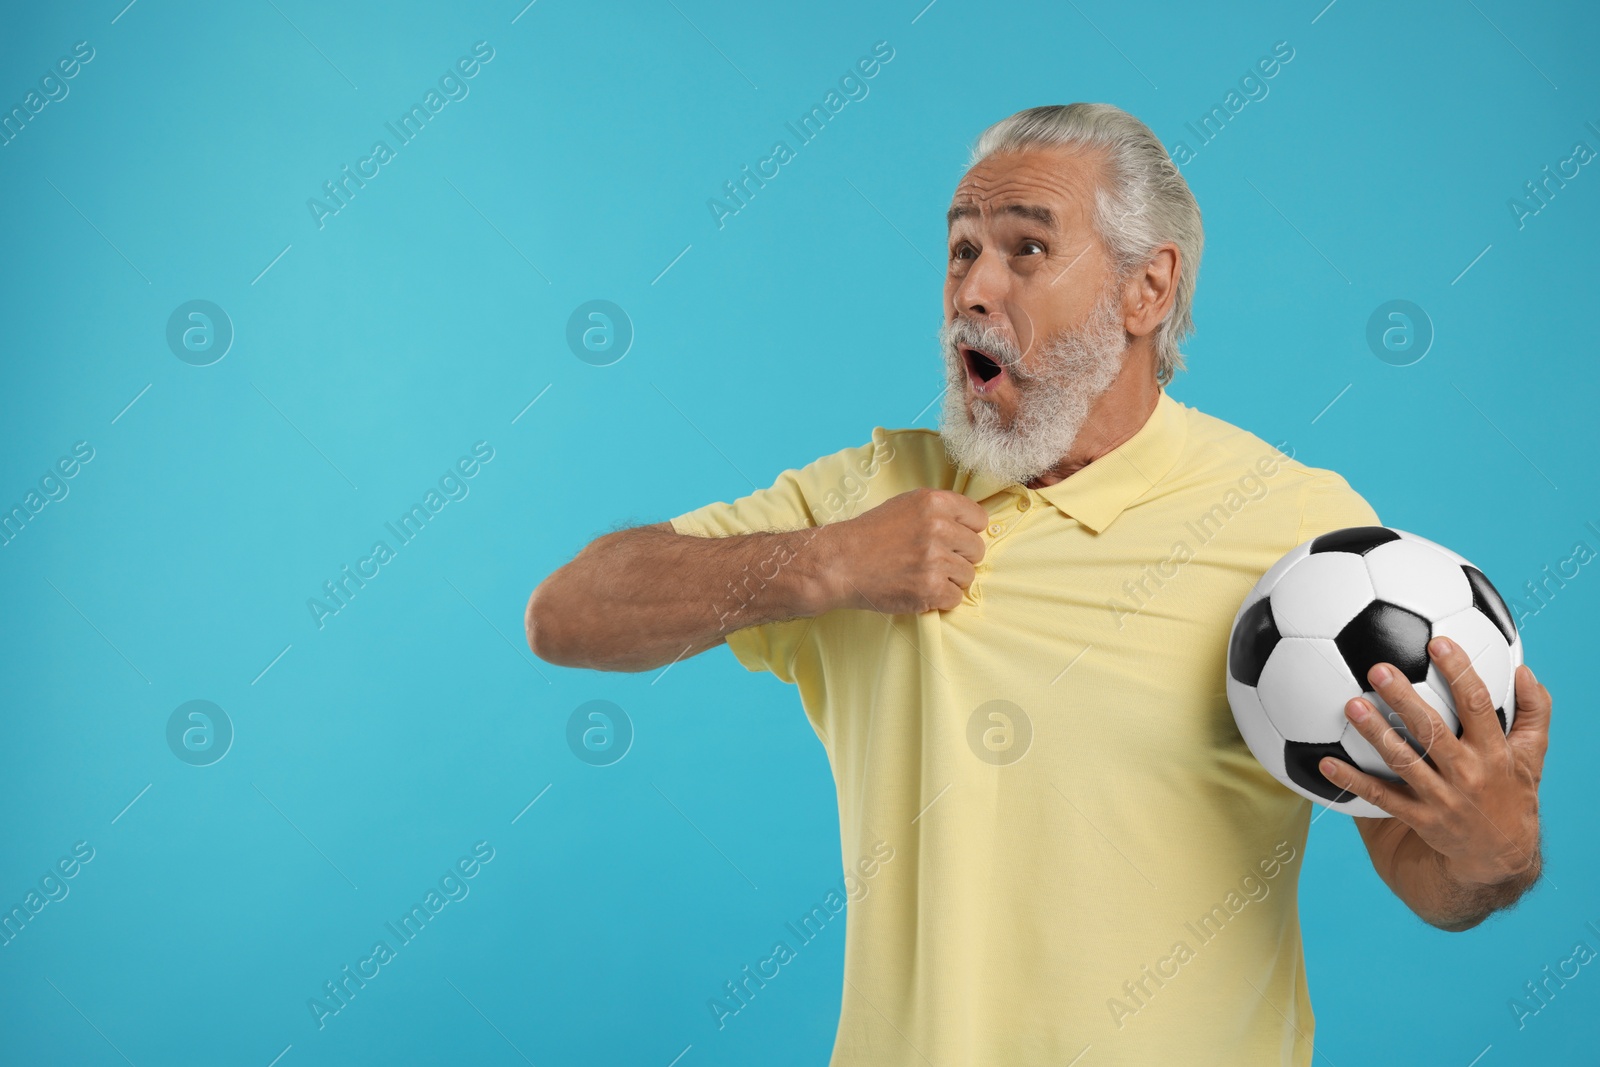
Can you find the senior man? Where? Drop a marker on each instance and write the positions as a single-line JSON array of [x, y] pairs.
[[1010, 638]]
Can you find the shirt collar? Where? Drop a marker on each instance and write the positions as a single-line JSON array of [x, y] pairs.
[[1096, 494]]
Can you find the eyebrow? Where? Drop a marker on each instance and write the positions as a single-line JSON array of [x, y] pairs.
[[1036, 212]]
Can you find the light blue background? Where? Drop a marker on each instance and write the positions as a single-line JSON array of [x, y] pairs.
[[429, 312]]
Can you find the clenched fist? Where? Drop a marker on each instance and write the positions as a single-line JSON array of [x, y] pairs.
[[913, 553]]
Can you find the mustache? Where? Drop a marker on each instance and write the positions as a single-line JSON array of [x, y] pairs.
[[997, 344], [989, 339]]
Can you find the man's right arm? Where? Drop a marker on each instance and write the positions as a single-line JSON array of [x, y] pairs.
[[644, 597]]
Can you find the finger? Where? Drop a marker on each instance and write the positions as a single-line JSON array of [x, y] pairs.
[[1530, 729], [1400, 757], [1418, 716], [962, 573], [1480, 727], [1395, 798], [966, 544], [967, 512]]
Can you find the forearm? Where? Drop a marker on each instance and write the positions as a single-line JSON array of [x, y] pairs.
[[644, 597], [1421, 877]]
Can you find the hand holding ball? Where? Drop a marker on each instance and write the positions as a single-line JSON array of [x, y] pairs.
[[1324, 615]]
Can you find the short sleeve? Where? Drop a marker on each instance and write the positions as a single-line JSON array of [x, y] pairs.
[[1328, 503], [828, 489]]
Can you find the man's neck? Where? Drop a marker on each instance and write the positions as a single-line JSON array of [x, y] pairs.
[[1118, 414]]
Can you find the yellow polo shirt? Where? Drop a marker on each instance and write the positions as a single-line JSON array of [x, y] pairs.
[[1057, 843]]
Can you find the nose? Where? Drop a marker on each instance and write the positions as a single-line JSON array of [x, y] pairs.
[[980, 293], [980, 297]]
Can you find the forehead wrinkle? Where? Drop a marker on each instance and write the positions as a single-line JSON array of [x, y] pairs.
[[1039, 213], [1028, 184]]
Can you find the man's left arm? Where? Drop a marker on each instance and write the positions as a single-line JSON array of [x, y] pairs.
[[1464, 838]]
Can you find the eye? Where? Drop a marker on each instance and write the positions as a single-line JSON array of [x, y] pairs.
[[961, 251], [1030, 243]]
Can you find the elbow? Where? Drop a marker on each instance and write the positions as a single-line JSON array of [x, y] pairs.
[[541, 626], [1454, 925], [562, 623]]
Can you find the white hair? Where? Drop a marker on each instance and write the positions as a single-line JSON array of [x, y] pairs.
[[1144, 201]]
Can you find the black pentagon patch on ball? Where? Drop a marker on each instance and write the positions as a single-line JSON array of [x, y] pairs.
[[1385, 633], [1254, 637], [1500, 714], [1300, 759], [1357, 539], [1486, 598]]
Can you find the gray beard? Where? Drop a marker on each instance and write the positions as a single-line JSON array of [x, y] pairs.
[[1053, 399]]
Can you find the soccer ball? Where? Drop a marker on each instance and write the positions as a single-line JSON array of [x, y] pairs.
[[1323, 615]]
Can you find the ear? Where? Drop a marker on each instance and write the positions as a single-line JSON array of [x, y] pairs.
[[1148, 294]]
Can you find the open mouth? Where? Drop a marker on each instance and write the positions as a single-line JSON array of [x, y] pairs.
[[983, 371]]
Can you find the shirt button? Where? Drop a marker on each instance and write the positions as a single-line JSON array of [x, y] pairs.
[[994, 529], [1024, 504]]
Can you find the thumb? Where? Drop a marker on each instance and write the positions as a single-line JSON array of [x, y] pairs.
[[1530, 731]]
